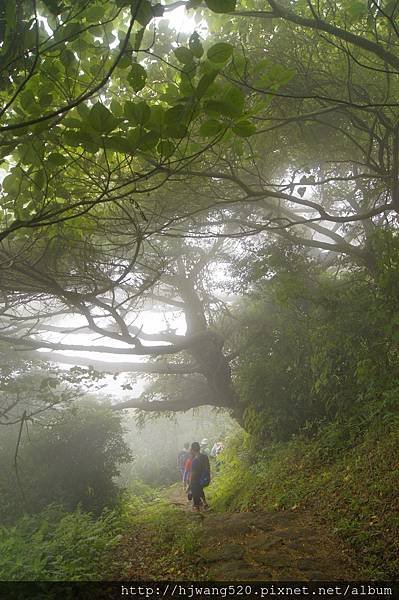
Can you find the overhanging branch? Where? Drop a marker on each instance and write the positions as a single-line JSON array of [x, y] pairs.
[[158, 368]]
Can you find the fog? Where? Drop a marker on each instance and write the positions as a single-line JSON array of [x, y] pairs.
[[156, 443]]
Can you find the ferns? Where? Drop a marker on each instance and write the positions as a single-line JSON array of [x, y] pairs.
[[56, 545]]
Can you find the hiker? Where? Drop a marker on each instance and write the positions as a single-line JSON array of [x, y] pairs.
[[217, 448], [187, 472], [205, 446], [200, 476], [182, 457]]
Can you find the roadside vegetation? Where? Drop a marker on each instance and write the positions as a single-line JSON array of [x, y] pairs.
[[319, 379], [350, 482]]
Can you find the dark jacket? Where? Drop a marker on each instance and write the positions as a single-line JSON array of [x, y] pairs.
[[199, 465]]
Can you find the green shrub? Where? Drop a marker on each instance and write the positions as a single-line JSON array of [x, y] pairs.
[[314, 347], [70, 458], [56, 545]]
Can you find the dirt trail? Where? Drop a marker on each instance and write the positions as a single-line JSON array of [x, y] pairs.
[[278, 546]]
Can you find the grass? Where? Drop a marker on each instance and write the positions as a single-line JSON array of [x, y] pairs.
[[170, 539]]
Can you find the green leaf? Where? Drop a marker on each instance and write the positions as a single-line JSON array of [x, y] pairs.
[[176, 130], [116, 108], [125, 61], [69, 32], [45, 100], [23, 213], [356, 9], [126, 145], [95, 13], [72, 138], [39, 179], [392, 8], [193, 4], [10, 183], [176, 114], [183, 55], [234, 96], [137, 77], [244, 128], [221, 6], [30, 155], [157, 120], [158, 10], [137, 112], [83, 110], [220, 53], [55, 159], [205, 82], [138, 37], [119, 144], [186, 87], [222, 107], [72, 122], [143, 112], [67, 58], [82, 138], [27, 99], [101, 119], [301, 191], [195, 45], [148, 140], [133, 138], [211, 127], [143, 11], [165, 148]]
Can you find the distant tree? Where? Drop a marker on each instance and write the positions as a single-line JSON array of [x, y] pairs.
[[70, 457]]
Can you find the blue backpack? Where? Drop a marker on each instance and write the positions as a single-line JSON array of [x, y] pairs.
[[205, 478]]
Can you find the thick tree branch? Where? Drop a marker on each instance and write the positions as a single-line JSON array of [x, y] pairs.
[[140, 351], [158, 368], [318, 24], [160, 405]]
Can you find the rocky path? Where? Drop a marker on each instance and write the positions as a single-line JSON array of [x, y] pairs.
[[278, 546]]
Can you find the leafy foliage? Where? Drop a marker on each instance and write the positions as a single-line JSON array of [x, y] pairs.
[[315, 346], [56, 545]]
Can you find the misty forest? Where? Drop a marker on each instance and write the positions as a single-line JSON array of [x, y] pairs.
[[199, 243]]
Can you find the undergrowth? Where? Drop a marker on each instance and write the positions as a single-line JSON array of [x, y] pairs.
[[348, 473], [57, 545], [174, 539]]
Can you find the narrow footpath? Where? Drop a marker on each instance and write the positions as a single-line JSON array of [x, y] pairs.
[[240, 546], [278, 546]]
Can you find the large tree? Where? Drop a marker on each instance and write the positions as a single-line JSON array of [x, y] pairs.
[[146, 203]]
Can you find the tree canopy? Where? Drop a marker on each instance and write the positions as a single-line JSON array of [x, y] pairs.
[[143, 165]]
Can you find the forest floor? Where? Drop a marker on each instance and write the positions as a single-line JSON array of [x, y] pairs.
[[238, 546]]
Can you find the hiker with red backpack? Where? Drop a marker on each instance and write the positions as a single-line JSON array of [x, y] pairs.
[[182, 458], [187, 472], [200, 477]]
